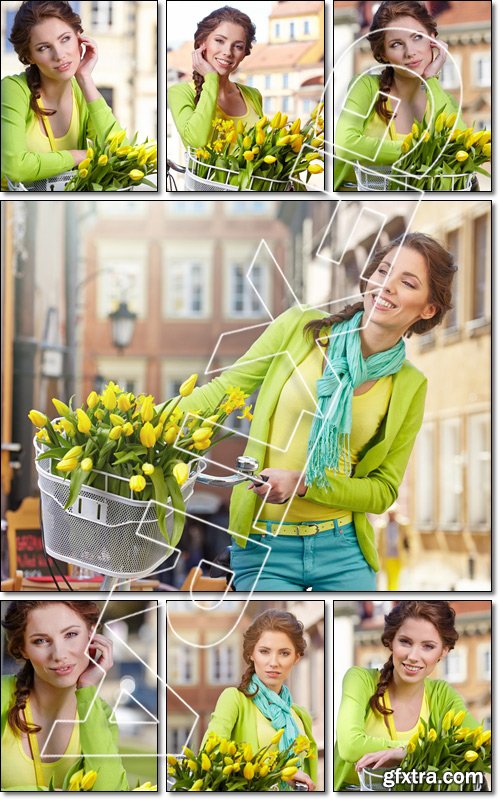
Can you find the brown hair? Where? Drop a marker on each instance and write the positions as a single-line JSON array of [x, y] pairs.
[[31, 13], [438, 612], [441, 271], [209, 24], [15, 622], [388, 13], [272, 620]]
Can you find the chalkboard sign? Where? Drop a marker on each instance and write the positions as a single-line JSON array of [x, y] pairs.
[[30, 556]]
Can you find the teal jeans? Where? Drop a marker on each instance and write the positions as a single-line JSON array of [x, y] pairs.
[[329, 561]]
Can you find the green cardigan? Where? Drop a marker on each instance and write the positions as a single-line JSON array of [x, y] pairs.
[[98, 735], [352, 743], [235, 717], [349, 131], [375, 482], [194, 123], [19, 163]]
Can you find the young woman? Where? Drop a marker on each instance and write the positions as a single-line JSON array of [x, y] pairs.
[[381, 709], [57, 682], [50, 110], [262, 703], [400, 39], [221, 42], [324, 475]]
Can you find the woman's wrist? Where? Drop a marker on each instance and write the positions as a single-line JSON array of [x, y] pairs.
[[88, 87]]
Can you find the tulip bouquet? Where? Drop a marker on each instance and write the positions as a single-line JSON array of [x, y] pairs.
[[128, 447], [113, 165], [459, 154], [226, 766], [447, 748], [77, 780], [265, 157]]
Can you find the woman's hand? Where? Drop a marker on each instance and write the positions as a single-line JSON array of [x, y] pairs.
[[280, 486], [89, 59], [302, 777], [200, 64], [101, 652], [382, 758], [78, 155], [434, 68]]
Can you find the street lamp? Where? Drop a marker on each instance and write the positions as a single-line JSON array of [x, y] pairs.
[[122, 325]]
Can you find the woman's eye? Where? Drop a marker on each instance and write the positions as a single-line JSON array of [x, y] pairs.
[[39, 641], [71, 634]]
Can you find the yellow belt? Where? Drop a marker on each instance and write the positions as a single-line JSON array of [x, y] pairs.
[[304, 528]]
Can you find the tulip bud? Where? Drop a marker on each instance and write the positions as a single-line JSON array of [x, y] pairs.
[[206, 764], [181, 472], [136, 174], [249, 771], [74, 452], [90, 153], [88, 780], [247, 142], [61, 408], [450, 120], [137, 483], [147, 409], [109, 398], [102, 160], [471, 756], [115, 433], [432, 735], [75, 781], [67, 465], [277, 736], [458, 718], [37, 418], [196, 787], [461, 156], [82, 173], [415, 130], [116, 419], [86, 465], [487, 150], [240, 126], [288, 773], [315, 169], [260, 137], [171, 760], [92, 399], [148, 469], [187, 387], [248, 155], [83, 421], [147, 435], [270, 159]]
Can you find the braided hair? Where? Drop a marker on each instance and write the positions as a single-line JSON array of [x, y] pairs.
[[31, 13], [385, 16], [438, 612], [271, 620], [441, 271], [209, 23], [15, 622]]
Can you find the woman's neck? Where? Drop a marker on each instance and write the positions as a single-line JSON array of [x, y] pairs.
[[49, 700], [375, 339], [406, 86], [226, 86], [54, 91], [405, 691]]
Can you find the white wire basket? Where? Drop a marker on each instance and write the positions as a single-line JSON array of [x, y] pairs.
[[101, 531], [193, 183], [372, 780], [55, 184], [382, 179]]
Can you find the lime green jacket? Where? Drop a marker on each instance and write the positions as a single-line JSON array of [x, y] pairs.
[[352, 743], [375, 482], [194, 122], [21, 164], [235, 718], [354, 118], [98, 735]]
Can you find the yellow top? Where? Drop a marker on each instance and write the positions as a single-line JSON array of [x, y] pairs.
[[289, 433], [37, 140], [18, 769], [249, 118], [377, 126], [265, 730], [376, 727]]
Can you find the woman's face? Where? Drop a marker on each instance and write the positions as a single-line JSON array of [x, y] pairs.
[[225, 47], [407, 48], [404, 298], [416, 649], [274, 657], [55, 49], [55, 640]]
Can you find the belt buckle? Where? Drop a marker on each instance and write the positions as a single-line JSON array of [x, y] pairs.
[[309, 532]]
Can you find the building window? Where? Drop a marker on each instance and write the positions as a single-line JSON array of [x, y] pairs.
[[249, 80], [188, 208], [244, 299], [479, 471], [187, 294], [277, 29], [455, 666], [102, 14], [9, 21], [285, 104], [479, 268], [108, 94], [176, 738], [285, 80], [450, 74], [222, 666], [453, 245], [451, 464], [425, 512], [307, 27], [267, 81], [484, 662], [247, 207], [185, 665], [122, 279], [292, 30], [482, 70], [308, 105], [268, 105]]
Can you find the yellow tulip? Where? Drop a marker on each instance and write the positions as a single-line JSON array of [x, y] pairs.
[[476, 137], [247, 752], [128, 429], [170, 434], [318, 141], [247, 142], [124, 151], [231, 748], [297, 143], [206, 764], [147, 409], [270, 159], [248, 771], [458, 718], [432, 735], [83, 421], [148, 469], [137, 483], [92, 399], [447, 721], [461, 734], [485, 138], [275, 122], [61, 408], [425, 136], [187, 387], [461, 156], [404, 147], [115, 433], [202, 444], [411, 747], [288, 773], [470, 756], [136, 174], [188, 753], [109, 398], [450, 120], [118, 137], [240, 126], [317, 110], [84, 164], [37, 418], [296, 126], [147, 435], [102, 160], [261, 122], [283, 120], [263, 770], [123, 402], [466, 133], [181, 474], [75, 781], [67, 465], [171, 760], [90, 153], [315, 169], [83, 173], [248, 155], [284, 140], [193, 766], [454, 136], [277, 736], [116, 419], [487, 150], [88, 780], [439, 124], [86, 465], [421, 730], [415, 130], [196, 785], [202, 433], [74, 452]]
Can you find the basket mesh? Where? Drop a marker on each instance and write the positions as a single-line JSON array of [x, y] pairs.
[[103, 532], [54, 184], [372, 780], [379, 178]]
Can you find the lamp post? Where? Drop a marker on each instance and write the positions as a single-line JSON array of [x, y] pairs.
[[122, 326]]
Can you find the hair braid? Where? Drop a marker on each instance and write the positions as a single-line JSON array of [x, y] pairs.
[[315, 326], [377, 701], [199, 80], [245, 680], [34, 80], [386, 78], [24, 684]]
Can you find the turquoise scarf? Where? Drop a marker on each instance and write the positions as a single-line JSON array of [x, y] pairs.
[[345, 370], [277, 708]]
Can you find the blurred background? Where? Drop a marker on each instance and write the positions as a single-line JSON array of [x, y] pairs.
[[126, 73], [465, 26], [129, 684], [286, 64], [140, 293], [358, 625], [198, 675]]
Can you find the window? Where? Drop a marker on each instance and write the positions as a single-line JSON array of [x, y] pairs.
[[484, 662], [451, 473], [268, 105], [222, 666], [244, 300], [285, 80], [186, 208], [247, 207], [267, 81], [453, 245], [308, 105], [177, 738], [450, 74], [292, 30], [122, 278], [479, 268], [108, 94], [102, 14], [479, 471], [9, 21], [249, 80], [285, 104], [482, 70], [185, 665], [277, 29], [455, 666], [307, 27], [425, 479], [187, 283]]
